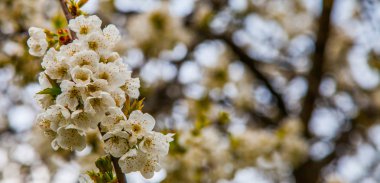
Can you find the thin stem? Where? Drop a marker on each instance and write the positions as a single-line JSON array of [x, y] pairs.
[[68, 16], [119, 174]]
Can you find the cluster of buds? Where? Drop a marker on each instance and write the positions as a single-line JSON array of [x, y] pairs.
[[87, 86]]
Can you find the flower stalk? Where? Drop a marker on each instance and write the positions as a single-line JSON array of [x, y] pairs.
[[68, 16]]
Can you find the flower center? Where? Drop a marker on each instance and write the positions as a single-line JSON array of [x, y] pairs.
[[93, 45], [83, 30], [104, 76], [84, 62], [136, 128], [73, 93], [82, 76]]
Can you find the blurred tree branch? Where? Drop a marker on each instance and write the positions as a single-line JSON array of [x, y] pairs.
[[310, 171], [315, 75], [251, 64]]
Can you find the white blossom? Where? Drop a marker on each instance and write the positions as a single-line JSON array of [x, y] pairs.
[[94, 87], [69, 137], [135, 160], [84, 26], [59, 70], [81, 76], [114, 116], [86, 86], [116, 142], [84, 120], [44, 100], [119, 96], [50, 59], [37, 42], [71, 49], [70, 95], [87, 59], [99, 104], [112, 34], [131, 87], [156, 143], [58, 116], [96, 42], [139, 124], [110, 73]]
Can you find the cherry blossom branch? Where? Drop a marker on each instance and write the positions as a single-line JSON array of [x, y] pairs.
[[68, 15], [119, 174]]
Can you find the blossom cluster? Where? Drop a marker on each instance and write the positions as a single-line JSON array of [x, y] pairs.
[[86, 86], [219, 156]]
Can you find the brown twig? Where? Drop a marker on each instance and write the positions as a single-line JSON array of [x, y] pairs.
[[310, 170], [119, 174], [68, 16]]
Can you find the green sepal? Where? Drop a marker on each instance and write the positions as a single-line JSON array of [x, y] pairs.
[[54, 91], [51, 91]]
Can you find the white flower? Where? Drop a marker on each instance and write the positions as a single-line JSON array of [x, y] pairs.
[[36, 33], [114, 116], [71, 49], [119, 96], [84, 120], [135, 160], [70, 95], [71, 138], [37, 42], [58, 116], [59, 71], [139, 124], [156, 143], [81, 76], [86, 59], [111, 73], [107, 56], [94, 87], [131, 87], [116, 142], [50, 59], [37, 47], [84, 26], [112, 34], [44, 100], [44, 81], [99, 103], [97, 42]]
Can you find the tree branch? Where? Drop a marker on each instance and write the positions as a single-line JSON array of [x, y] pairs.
[[310, 170], [251, 64], [316, 72], [68, 15]]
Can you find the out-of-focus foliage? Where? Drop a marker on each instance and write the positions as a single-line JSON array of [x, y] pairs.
[[229, 77]]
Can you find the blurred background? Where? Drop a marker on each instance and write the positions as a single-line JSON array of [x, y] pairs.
[[264, 91]]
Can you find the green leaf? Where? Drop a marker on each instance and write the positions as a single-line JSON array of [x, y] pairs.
[[55, 91]]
